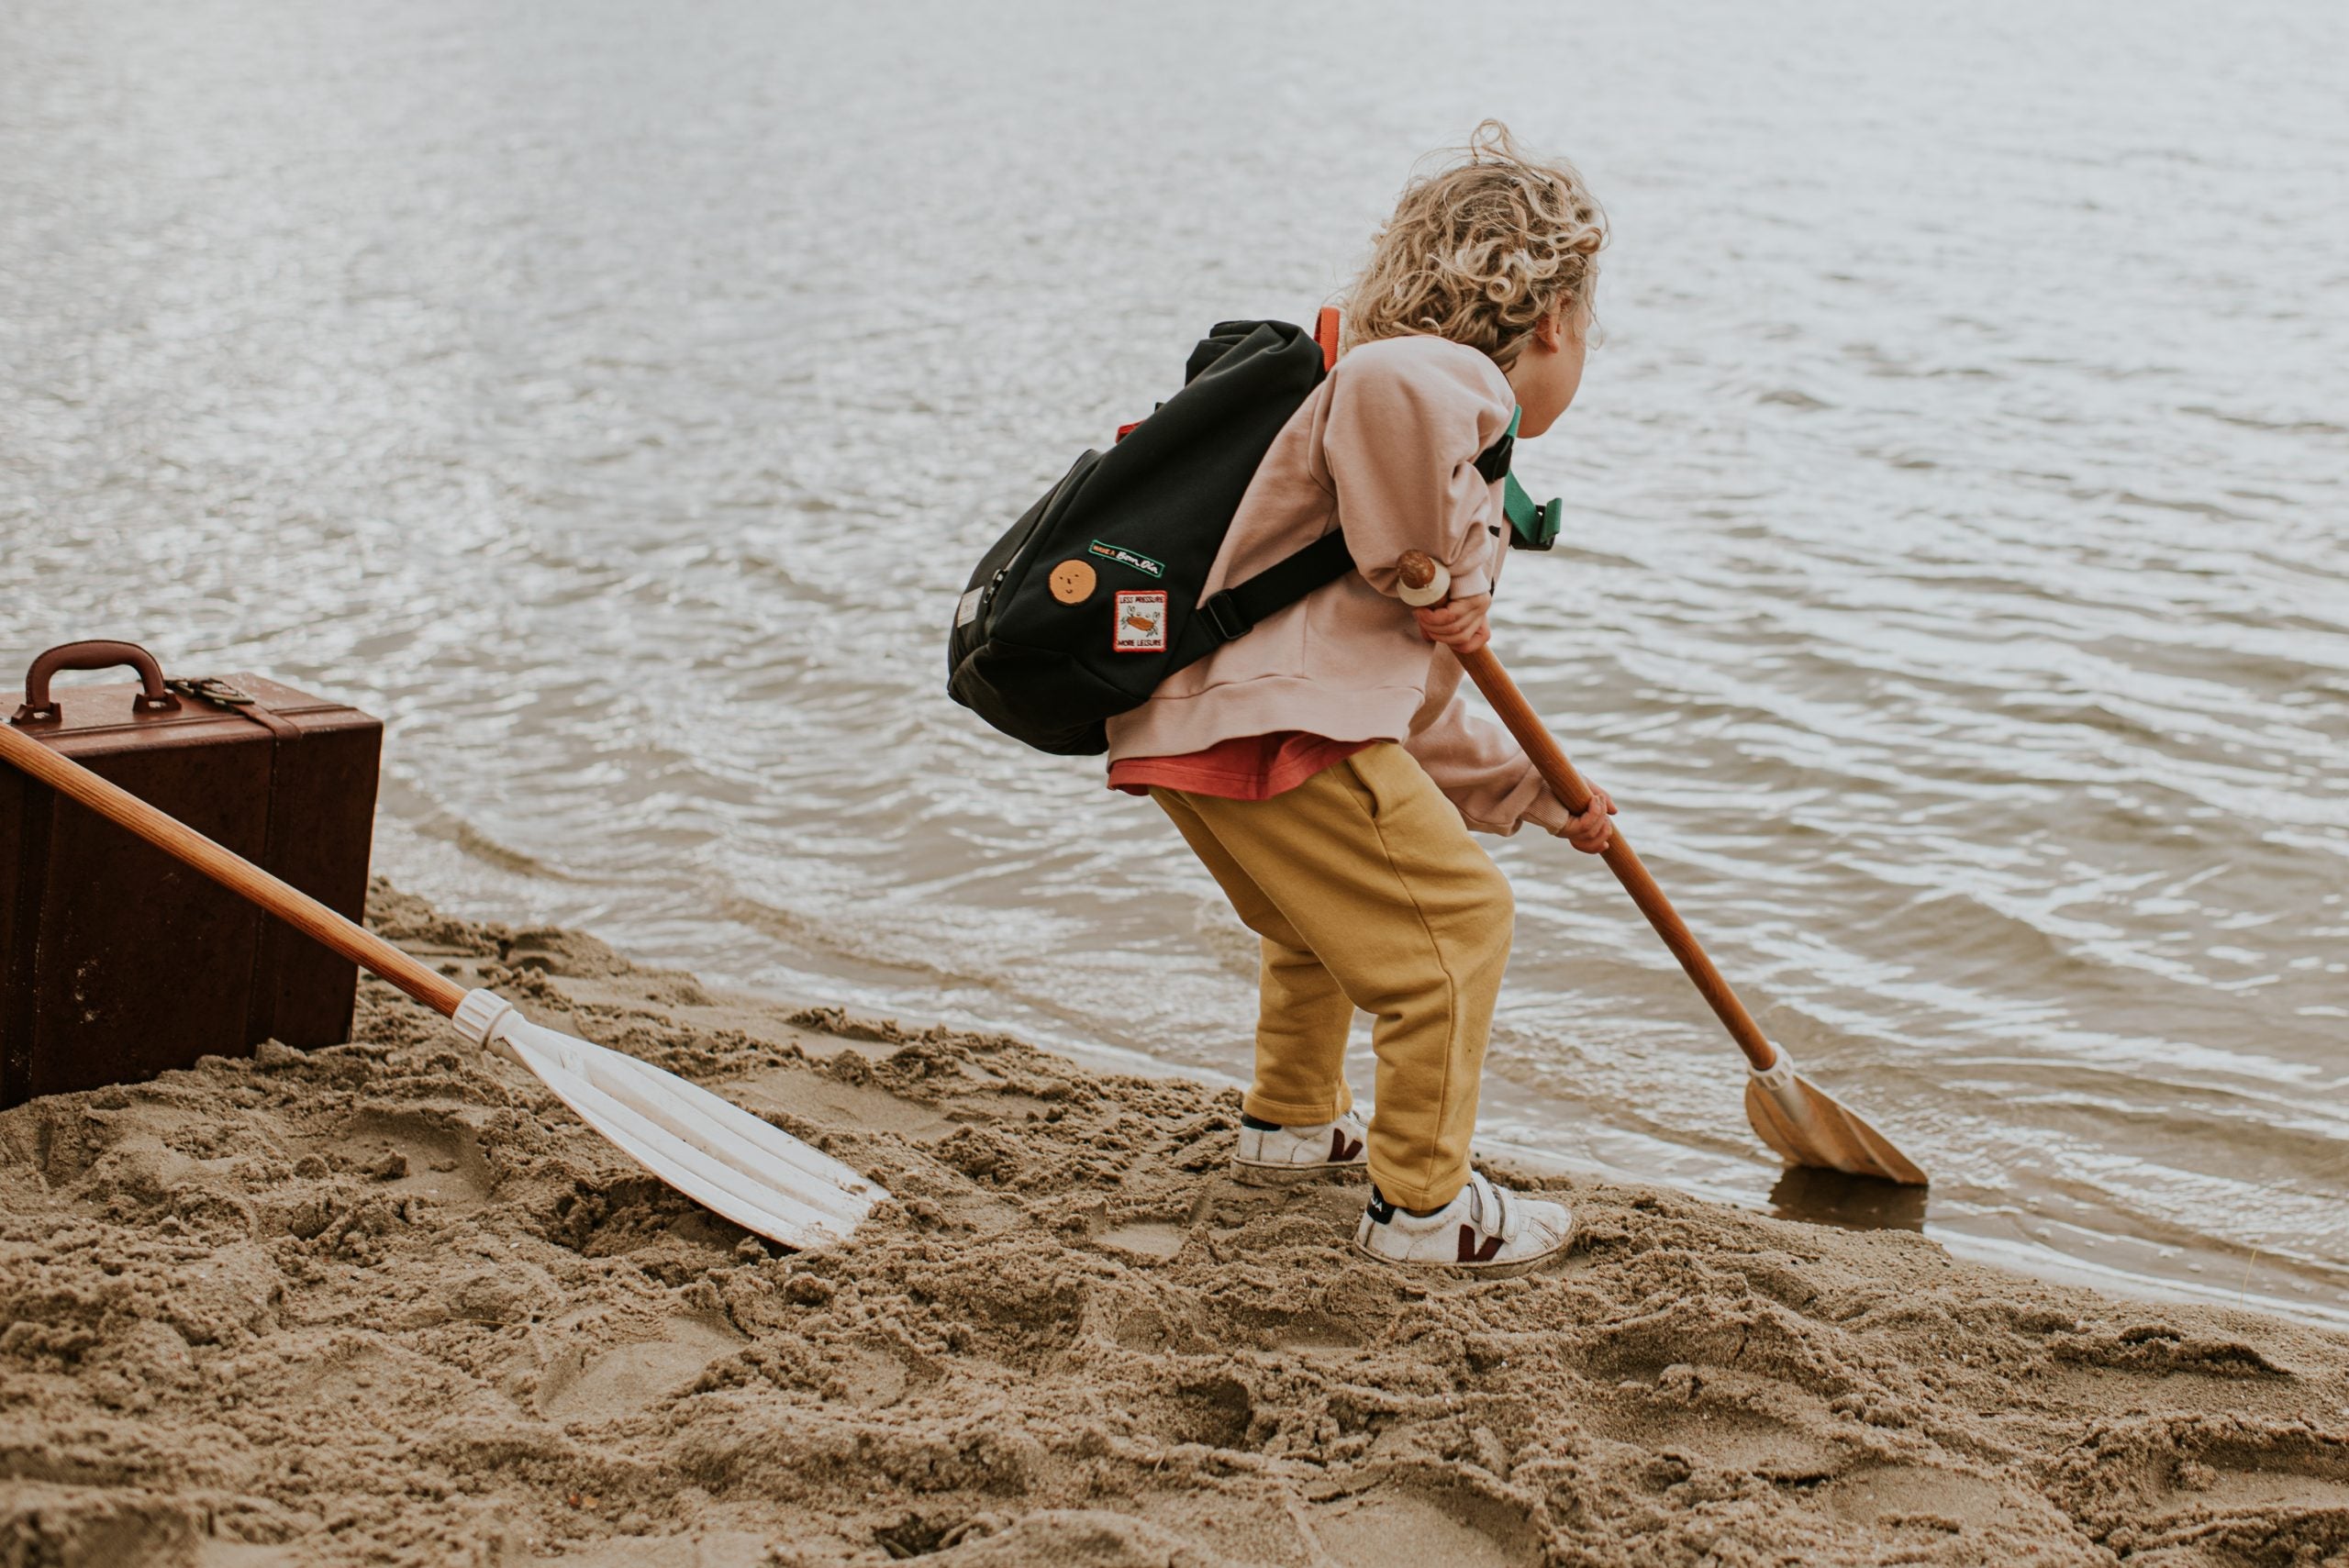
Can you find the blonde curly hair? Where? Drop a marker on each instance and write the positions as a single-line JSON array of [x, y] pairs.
[[1480, 251]]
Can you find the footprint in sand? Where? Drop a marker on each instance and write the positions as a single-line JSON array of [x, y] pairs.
[[2296, 1491], [707, 1548], [441, 1155], [626, 1379], [1144, 1238], [1731, 1439], [1313, 1338], [1883, 1492], [2225, 1485], [2226, 1490], [1728, 1420], [1408, 1525], [860, 1107], [216, 1553], [852, 1106], [2154, 1369], [871, 1380]]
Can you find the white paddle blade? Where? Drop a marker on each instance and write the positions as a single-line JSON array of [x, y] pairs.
[[714, 1152]]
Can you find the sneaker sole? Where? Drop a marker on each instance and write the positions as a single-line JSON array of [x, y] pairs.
[[1495, 1269], [1254, 1176]]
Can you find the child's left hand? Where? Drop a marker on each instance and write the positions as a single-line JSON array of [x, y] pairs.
[[1458, 623], [1591, 832]]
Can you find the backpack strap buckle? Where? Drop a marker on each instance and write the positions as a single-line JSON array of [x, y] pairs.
[[1223, 613], [1494, 461]]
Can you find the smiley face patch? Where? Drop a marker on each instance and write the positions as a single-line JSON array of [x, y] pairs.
[[1072, 582]]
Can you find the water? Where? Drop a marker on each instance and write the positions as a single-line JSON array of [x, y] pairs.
[[1955, 593]]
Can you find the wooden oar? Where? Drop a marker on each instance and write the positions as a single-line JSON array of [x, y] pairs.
[[712, 1150], [1802, 1121]]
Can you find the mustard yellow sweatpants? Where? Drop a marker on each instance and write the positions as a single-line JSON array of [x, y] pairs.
[[1368, 893]]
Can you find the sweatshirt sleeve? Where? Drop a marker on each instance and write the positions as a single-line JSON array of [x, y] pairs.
[[1407, 419], [1484, 772]]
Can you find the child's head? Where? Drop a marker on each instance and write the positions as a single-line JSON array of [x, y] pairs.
[[1481, 251]]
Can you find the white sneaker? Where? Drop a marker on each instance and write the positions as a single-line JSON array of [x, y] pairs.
[[1486, 1228], [1274, 1156]]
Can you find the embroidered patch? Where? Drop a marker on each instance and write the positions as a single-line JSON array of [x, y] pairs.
[[1141, 622], [1124, 557], [966, 608], [1072, 582]]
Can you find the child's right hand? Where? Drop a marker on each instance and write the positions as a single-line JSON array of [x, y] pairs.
[[1591, 832]]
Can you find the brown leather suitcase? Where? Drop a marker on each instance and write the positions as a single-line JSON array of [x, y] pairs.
[[116, 962]]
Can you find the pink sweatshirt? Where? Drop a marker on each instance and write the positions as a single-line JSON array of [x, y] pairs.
[[1387, 444]]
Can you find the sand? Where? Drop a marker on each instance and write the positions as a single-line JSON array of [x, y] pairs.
[[391, 1302]]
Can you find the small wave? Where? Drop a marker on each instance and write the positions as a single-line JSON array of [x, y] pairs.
[[2251, 422], [2201, 508], [473, 841]]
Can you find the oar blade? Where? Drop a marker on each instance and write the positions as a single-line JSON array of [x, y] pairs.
[[1818, 1130], [707, 1148]]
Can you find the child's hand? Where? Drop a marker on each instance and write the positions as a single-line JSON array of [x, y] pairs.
[[1458, 623], [1591, 832]]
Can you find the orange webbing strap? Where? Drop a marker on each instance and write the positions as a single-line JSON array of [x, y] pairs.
[[1325, 332]]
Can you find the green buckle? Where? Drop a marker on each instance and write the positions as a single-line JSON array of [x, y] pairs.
[[1530, 527]]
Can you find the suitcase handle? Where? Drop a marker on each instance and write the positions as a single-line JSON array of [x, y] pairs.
[[39, 709]]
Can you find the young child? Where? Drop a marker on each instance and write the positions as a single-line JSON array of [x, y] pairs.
[[1326, 768]]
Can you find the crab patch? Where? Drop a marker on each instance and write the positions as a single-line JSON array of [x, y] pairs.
[[1141, 622]]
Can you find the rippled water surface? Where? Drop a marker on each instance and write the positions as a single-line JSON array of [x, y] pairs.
[[1956, 591]]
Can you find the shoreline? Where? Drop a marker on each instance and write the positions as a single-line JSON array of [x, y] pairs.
[[1541, 1131], [390, 1302]]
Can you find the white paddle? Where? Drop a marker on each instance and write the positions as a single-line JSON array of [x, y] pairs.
[[710, 1148]]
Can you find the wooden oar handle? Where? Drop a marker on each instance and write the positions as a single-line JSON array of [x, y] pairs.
[[240, 876], [1417, 571]]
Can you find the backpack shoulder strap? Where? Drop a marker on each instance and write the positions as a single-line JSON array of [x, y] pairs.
[[1494, 461], [1530, 527], [1237, 610]]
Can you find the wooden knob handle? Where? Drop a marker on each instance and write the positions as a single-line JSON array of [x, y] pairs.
[[1422, 579]]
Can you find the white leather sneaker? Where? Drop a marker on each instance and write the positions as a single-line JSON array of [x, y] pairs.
[[1276, 1155], [1486, 1228]]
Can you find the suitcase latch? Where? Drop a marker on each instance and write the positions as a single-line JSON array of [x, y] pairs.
[[212, 689]]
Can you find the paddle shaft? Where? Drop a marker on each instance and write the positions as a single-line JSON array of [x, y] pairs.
[[1532, 734], [232, 871]]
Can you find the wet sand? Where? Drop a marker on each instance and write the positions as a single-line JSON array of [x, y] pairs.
[[391, 1302]]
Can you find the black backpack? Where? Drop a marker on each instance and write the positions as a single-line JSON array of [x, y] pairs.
[[1093, 597]]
